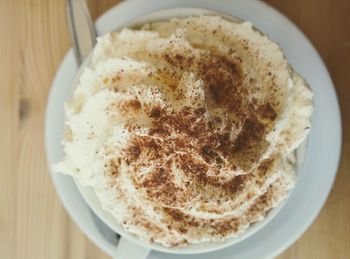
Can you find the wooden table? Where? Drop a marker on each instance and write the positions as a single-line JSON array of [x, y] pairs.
[[33, 41]]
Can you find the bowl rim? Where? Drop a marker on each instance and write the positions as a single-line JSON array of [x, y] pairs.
[[94, 203], [335, 110]]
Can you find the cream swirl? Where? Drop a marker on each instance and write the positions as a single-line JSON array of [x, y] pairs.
[[186, 129]]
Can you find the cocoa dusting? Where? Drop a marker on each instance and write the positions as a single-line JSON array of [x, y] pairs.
[[199, 143]]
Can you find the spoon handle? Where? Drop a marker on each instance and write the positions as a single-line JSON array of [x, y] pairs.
[[82, 29]]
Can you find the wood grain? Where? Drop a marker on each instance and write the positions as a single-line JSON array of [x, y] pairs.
[[34, 39]]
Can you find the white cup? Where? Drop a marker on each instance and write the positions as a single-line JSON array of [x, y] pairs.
[[130, 246]]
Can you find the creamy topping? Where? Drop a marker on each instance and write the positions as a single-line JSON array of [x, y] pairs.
[[186, 129]]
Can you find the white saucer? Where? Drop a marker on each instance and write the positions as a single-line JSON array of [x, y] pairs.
[[315, 178]]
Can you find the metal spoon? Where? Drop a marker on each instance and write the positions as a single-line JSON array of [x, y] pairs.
[[82, 29], [83, 36]]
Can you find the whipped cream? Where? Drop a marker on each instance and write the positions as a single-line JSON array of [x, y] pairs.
[[186, 129]]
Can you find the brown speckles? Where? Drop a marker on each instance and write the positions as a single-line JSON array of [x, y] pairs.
[[249, 144], [179, 58], [200, 111], [158, 178], [132, 105], [265, 166], [267, 112], [126, 107], [114, 168], [155, 112], [116, 78], [207, 151], [199, 154], [111, 170], [166, 77], [222, 77], [177, 215], [235, 184], [182, 230], [133, 151]]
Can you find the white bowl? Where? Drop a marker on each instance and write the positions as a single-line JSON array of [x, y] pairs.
[[91, 198], [311, 68]]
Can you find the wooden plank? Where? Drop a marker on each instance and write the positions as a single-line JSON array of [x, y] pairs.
[[9, 113], [34, 39]]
